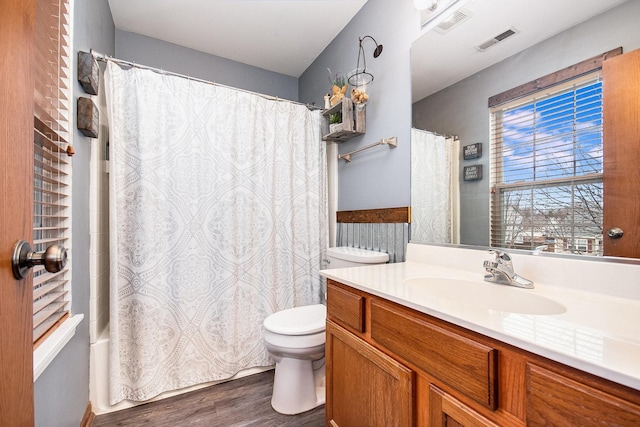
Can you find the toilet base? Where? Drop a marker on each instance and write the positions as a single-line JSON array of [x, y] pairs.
[[297, 386]]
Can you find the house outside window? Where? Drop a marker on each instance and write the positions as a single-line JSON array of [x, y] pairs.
[[546, 169]]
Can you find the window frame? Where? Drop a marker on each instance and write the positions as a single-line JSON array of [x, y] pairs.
[[58, 138], [501, 189]]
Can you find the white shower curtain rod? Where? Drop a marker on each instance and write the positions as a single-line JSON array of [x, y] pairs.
[[455, 137], [104, 58]]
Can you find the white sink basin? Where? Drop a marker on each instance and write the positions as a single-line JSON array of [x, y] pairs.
[[483, 295]]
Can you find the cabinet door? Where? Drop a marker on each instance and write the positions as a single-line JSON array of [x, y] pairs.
[[553, 399], [447, 411], [365, 387]]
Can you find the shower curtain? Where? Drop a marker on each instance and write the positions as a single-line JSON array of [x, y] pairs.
[[434, 187], [218, 218]]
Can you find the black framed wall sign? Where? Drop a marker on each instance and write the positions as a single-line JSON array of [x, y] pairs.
[[472, 173], [472, 151]]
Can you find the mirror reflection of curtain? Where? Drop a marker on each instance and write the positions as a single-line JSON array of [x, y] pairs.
[[434, 188]]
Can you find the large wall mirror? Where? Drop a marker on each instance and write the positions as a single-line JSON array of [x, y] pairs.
[[488, 48]]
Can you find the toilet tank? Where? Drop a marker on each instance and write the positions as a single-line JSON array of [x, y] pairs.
[[343, 256]]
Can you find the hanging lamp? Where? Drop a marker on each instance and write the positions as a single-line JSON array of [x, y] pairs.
[[361, 76]]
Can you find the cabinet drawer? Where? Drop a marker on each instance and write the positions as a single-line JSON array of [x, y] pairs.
[[345, 308], [464, 364], [553, 399]]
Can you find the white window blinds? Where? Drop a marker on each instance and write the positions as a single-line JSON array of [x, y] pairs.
[[546, 170], [52, 168]]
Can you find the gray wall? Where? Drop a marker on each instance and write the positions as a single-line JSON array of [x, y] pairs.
[[62, 391], [461, 109], [167, 56], [377, 178]]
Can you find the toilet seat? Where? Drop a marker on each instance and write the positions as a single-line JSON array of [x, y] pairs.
[[304, 320]]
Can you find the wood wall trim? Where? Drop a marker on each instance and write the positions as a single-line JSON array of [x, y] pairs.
[[386, 215], [88, 417], [575, 70]]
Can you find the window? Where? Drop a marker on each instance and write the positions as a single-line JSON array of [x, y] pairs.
[[546, 169], [581, 245], [52, 167]]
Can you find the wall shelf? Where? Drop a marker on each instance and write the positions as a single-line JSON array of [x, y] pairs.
[[353, 121]]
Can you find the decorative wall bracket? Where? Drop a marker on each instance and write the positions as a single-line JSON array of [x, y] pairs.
[[88, 122], [88, 72]]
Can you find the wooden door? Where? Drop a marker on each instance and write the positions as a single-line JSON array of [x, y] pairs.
[[17, 40], [447, 411], [556, 400], [365, 387], [621, 109]]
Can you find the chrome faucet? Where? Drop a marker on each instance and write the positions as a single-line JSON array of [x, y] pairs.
[[500, 270]]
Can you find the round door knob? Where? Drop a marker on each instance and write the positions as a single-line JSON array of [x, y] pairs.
[[54, 258], [615, 232]]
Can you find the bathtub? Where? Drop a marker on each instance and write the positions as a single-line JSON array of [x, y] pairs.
[[99, 379]]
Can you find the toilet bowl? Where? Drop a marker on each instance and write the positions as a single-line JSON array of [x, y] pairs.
[[295, 339]]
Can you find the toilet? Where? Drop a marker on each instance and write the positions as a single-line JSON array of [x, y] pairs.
[[295, 339]]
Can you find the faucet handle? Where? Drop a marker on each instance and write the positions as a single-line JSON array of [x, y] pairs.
[[490, 264], [500, 255]]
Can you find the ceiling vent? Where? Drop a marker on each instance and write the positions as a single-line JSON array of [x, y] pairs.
[[457, 18], [497, 39]]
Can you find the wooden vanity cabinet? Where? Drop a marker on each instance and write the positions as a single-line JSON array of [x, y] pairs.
[[388, 365]]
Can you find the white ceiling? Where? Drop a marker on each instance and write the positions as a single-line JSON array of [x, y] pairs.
[[444, 59], [284, 36]]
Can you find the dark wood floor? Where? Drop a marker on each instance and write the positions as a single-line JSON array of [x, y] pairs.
[[242, 402]]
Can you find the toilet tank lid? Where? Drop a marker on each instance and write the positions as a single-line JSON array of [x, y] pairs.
[[364, 256]]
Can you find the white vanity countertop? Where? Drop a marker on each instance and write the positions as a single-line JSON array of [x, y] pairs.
[[598, 333]]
